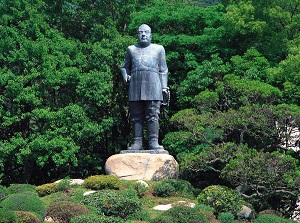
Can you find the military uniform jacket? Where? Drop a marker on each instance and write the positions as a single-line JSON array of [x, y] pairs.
[[148, 70]]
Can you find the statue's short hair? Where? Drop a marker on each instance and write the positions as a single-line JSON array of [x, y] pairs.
[[145, 26]]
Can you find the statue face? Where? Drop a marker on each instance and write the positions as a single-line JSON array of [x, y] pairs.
[[144, 35]]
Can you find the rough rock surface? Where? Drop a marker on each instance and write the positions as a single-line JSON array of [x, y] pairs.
[[142, 166]]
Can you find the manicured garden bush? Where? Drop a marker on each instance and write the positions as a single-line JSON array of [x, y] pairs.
[[268, 218], [7, 216], [111, 203], [21, 188], [93, 218], [64, 211], [163, 189], [181, 214], [99, 182], [140, 189], [46, 189], [3, 192], [222, 199], [226, 217], [24, 202], [183, 188], [27, 217]]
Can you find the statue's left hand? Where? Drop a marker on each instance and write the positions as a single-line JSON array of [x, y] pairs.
[[166, 96]]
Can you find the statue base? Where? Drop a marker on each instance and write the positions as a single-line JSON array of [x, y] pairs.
[[158, 151], [142, 165]]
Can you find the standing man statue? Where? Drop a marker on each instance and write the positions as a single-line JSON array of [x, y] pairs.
[[146, 70]]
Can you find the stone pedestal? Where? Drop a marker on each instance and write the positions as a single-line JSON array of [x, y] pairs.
[[144, 165]]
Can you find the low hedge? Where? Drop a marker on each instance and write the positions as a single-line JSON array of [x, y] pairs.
[[100, 182]]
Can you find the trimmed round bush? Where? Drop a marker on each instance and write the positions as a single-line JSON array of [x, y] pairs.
[[3, 192], [46, 189], [110, 203], [27, 217], [268, 218], [21, 189], [64, 211], [7, 216], [24, 202], [140, 189], [183, 188], [93, 218], [163, 189], [181, 214], [100, 182], [222, 199], [226, 217]]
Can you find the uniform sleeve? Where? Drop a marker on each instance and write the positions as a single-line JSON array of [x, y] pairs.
[[163, 69]]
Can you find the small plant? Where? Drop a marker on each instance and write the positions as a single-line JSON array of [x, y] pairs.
[[163, 189], [21, 188], [268, 218], [64, 185], [183, 188], [99, 182], [221, 198], [181, 214], [7, 216], [93, 218], [140, 189], [64, 211], [46, 189], [110, 203], [27, 217], [226, 217], [3, 192], [24, 202]]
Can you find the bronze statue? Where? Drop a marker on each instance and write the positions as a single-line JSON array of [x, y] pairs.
[[146, 70]]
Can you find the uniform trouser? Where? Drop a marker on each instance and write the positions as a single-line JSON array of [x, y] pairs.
[[148, 111]]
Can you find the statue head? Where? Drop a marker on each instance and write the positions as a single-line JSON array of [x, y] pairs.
[[144, 35]]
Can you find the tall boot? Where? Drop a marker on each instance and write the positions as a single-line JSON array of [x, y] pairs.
[[137, 132], [153, 131]]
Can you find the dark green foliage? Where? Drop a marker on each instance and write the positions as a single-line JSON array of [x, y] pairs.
[[99, 182], [181, 214], [7, 216], [110, 203], [163, 189], [3, 192], [93, 218], [267, 218], [226, 217], [27, 217], [64, 211], [140, 189], [222, 199], [21, 188], [24, 202], [141, 215]]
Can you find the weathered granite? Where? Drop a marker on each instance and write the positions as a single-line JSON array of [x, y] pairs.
[[142, 166]]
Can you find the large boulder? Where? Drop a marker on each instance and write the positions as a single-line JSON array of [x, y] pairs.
[[142, 166]]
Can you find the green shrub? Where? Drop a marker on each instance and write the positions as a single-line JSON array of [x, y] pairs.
[[222, 199], [7, 216], [46, 189], [140, 189], [226, 217], [3, 192], [93, 218], [163, 189], [27, 217], [207, 211], [267, 218], [181, 214], [183, 188], [64, 184], [141, 215], [110, 203], [24, 202], [21, 189], [99, 182], [64, 211]]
